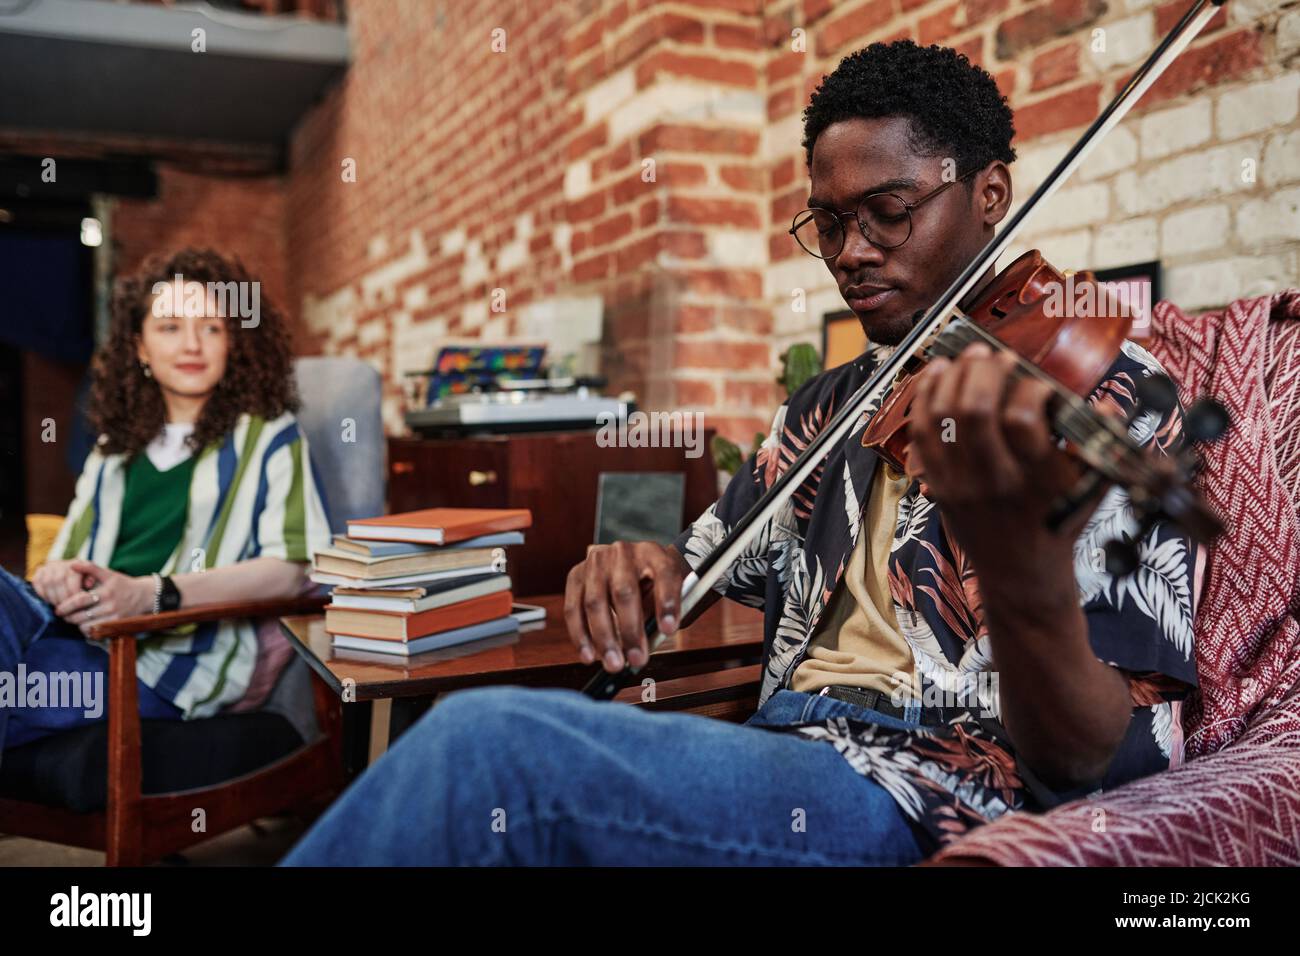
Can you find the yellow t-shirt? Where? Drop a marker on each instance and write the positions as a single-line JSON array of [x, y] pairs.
[[857, 642]]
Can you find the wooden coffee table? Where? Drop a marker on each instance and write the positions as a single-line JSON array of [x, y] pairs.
[[539, 655]]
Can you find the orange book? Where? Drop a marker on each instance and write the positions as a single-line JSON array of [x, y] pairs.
[[397, 626], [440, 525]]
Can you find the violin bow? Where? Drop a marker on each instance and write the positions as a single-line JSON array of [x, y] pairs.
[[863, 403]]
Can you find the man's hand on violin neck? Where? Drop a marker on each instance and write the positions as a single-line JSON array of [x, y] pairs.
[[609, 595], [982, 445]]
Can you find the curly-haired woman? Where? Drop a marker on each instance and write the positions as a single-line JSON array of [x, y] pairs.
[[200, 489]]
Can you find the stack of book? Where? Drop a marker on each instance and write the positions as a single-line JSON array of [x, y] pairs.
[[419, 581]]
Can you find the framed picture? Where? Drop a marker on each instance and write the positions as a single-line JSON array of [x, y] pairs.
[[1137, 287], [842, 338]]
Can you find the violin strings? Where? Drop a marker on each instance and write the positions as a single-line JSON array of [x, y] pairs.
[[1076, 421]]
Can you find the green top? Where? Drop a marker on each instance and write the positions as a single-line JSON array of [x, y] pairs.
[[154, 507]]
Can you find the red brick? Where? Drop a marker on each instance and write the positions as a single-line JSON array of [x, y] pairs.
[[754, 320], [584, 38], [646, 34], [682, 174], [683, 245], [714, 212], [691, 392], [692, 317], [853, 25], [636, 254], [589, 208], [972, 49], [723, 354], [938, 26], [815, 10], [597, 267], [737, 36], [648, 214], [1067, 110], [783, 66], [913, 4], [585, 142], [696, 66], [699, 139], [782, 103], [782, 173], [977, 11], [760, 396], [1218, 61], [744, 178], [1055, 66], [609, 231], [1041, 23], [737, 283]]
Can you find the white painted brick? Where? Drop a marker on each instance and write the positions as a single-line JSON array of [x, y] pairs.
[[1125, 243], [1197, 175], [415, 297], [565, 323], [1127, 41], [1077, 206], [475, 267], [512, 255], [496, 329], [1066, 250], [378, 284], [335, 313], [1259, 106], [679, 100], [1252, 11], [577, 179], [371, 333], [1288, 33], [524, 225], [1217, 282], [800, 272], [608, 95], [452, 242], [377, 247], [1118, 150], [473, 314], [1276, 217], [1033, 164], [779, 138], [1194, 230], [1281, 158], [1174, 130], [735, 247]]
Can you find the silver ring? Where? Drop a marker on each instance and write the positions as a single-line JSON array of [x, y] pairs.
[[94, 597], [90, 612]]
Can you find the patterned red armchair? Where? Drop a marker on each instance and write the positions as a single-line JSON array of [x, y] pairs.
[[1235, 800]]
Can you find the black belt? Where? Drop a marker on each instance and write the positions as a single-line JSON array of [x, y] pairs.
[[879, 701]]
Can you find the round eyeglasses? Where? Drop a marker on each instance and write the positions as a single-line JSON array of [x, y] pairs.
[[885, 221]]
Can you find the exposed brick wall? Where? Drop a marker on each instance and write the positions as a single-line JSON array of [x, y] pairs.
[[242, 217], [525, 171]]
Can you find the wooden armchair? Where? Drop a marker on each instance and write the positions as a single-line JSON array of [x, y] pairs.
[[145, 804], [135, 788]]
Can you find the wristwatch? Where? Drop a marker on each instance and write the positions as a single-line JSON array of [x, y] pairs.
[[166, 595]]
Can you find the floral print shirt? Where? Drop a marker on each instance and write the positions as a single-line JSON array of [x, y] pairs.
[[955, 776]]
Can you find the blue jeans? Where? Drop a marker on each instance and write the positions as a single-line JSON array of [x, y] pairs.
[[522, 776], [43, 643]]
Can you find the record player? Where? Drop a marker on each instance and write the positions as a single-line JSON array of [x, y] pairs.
[[502, 389]]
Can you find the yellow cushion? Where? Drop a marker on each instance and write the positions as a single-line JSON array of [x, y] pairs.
[[41, 532]]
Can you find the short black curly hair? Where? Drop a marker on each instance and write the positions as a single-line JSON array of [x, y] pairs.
[[955, 106]]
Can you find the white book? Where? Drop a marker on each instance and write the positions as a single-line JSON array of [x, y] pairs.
[[406, 580], [436, 597]]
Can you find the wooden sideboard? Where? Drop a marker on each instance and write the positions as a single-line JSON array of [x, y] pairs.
[[554, 474]]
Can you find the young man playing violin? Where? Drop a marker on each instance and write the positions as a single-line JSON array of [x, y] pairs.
[[901, 704]]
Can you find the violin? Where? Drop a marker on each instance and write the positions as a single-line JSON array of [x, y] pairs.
[[1070, 355], [1070, 352]]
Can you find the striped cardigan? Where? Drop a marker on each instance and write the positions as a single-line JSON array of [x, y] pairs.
[[253, 494]]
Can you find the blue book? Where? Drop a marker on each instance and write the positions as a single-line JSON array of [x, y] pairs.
[[433, 642]]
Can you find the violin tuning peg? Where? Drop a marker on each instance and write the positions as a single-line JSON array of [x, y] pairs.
[[1157, 393], [1206, 420]]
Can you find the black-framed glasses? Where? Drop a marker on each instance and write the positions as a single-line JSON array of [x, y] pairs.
[[885, 221]]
